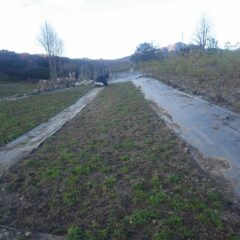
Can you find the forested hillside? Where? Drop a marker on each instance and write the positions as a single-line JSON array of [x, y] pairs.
[[16, 67]]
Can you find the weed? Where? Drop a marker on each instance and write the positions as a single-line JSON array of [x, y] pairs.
[[76, 233], [157, 198], [152, 157], [51, 174], [124, 170], [70, 197], [199, 204], [155, 182], [173, 178], [127, 144], [118, 233], [72, 180], [124, 158], [164, 234], [110, 181], [141, 216], [210, 216], [140, 196], [179, 203], [176, 224], [33, 163], [148, 140], [82, 170]]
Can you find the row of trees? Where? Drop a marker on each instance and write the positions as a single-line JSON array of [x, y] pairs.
[[26, 67], [22, 67], [53, 46], [203, 39]]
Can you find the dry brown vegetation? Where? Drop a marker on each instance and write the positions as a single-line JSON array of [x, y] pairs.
[[212, 75]]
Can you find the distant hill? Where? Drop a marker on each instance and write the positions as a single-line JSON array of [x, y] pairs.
[[124, 59], [18, 67]]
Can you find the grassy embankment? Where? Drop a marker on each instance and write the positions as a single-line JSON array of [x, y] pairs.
[[215, 76], [17, 117], [116, 172], [11, 89]]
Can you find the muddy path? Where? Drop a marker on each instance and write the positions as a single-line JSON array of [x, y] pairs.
[[212, 130], [22, 146]]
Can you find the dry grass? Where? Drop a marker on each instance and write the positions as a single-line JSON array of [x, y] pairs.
[[213, 76]]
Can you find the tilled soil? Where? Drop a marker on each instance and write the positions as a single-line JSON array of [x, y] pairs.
[[117, 172]]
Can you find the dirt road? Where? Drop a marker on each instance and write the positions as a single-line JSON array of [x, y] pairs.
[[212, 130]]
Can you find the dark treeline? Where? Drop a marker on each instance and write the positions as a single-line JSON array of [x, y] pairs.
[[19, 67], [26, 67]]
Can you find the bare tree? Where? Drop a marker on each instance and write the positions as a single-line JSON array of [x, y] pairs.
[[53, 47], [203, 34]]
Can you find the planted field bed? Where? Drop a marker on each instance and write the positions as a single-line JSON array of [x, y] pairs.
[[116, 172], [20, 116], [11, 89]]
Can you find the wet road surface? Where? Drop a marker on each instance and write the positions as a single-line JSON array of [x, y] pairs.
[[212, 130]]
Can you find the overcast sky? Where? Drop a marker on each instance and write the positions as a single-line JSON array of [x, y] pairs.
[[113, 28]]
